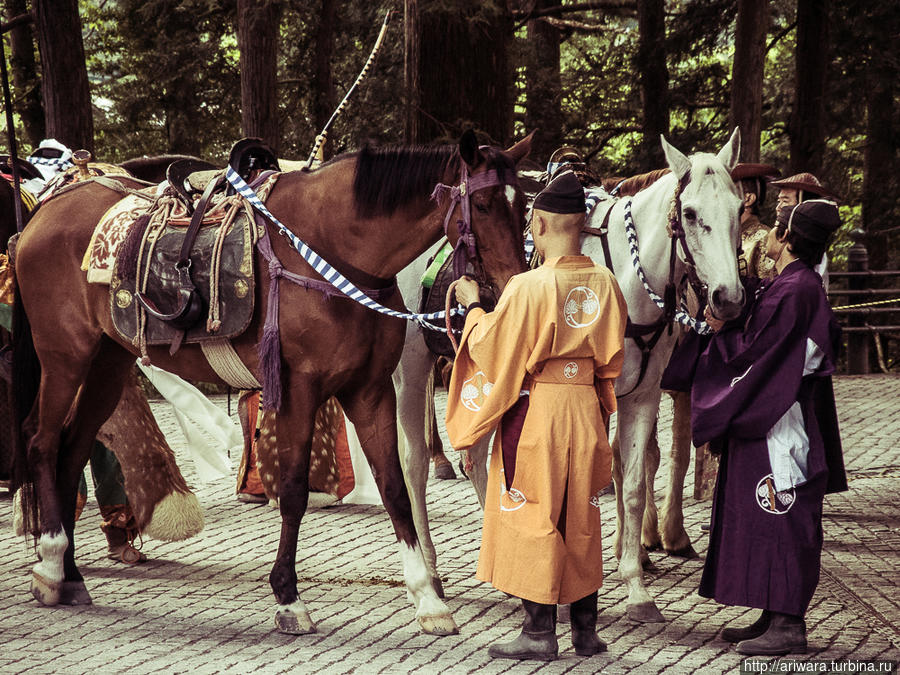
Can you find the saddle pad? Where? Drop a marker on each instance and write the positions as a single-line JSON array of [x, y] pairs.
[[233, 266], [109, 234]]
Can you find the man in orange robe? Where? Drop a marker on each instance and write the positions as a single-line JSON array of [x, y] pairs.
[[542, 364]]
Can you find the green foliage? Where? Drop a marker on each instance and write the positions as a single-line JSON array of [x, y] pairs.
[[165, 77]]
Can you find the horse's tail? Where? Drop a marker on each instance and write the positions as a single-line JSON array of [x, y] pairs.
[[26, 379]]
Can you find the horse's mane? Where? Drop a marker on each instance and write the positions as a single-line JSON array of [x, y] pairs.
[[628, 187], [388, 178]]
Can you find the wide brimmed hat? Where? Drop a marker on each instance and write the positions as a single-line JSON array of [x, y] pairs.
[[748, 171], [806, 182]]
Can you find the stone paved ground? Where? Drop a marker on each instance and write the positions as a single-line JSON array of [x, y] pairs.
[[204, 605]]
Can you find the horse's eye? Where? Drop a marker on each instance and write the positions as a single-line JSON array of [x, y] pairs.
[[690, 214], [481, 208]]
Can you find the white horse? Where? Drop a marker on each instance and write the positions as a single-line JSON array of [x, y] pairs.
[[706, 204], [413, 382]]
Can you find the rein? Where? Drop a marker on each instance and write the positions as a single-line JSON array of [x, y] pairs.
[[671, 313], [320, 265], [269, 347]]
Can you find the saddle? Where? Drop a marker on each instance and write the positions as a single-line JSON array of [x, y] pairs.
[[189, 257]]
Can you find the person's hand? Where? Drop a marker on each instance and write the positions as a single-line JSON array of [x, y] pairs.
[[466, 292], [711, 321]]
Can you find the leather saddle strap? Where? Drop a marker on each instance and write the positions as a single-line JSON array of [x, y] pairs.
[[196, 220]]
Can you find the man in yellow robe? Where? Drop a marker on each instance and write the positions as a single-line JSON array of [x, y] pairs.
[[542, 365]]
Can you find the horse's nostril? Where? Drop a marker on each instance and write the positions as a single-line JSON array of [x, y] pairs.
[[716, 297]]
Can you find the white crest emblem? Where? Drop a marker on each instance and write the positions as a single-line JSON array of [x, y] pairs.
[[582, 307], [512, 499], [570, 370], [770, 501], [474, 391]]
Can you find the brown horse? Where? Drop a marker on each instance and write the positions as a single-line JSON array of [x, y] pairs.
[[369, 214]]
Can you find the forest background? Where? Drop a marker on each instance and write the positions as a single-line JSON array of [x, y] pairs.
[[812, 83]]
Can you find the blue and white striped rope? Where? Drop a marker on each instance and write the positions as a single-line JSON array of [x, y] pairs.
[[681, 316], [321, 266], [593, 196], [60, 163]]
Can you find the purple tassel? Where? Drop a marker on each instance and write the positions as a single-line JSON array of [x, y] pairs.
[[270, 365]]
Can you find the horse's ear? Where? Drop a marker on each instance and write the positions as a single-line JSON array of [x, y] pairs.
[[732, 151], [468, 149], [678, 163], [520, 150]]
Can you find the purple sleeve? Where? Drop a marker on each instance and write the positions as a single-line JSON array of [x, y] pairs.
[[748, 378]]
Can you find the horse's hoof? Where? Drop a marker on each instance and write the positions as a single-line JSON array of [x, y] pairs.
[[438, 625], [438, 587], [655, 546], [648, 565], [74, 593], [686, 552], [444, 472], [644, 612], [45, 591], [563, 614], [292, 623]]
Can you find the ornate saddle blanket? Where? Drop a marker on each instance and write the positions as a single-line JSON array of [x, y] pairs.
[[221, 266]]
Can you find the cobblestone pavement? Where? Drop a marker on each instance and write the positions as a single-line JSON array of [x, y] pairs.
[[204, 605]]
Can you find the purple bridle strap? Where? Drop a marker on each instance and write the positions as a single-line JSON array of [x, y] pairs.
[[465, 248]]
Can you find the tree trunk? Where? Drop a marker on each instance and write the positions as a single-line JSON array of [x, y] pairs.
[[880, 210], [747, 74], [322, 81], [258, 25], [807, 123], [26, 85], [543, 89], [64, 81], [654, 77], [465, 77], [411, 82]]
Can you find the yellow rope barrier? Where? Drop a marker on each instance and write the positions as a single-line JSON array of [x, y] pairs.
[[868, 304]]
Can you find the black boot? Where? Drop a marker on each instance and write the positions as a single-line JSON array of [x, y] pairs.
[[786, 635], [752, 631], [584, 626], [538, 638]]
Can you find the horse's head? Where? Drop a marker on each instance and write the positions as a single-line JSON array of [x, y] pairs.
[[708, 207], [497, 210]]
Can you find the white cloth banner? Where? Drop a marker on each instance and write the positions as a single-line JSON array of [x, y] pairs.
[[364, 489], [200, 419]]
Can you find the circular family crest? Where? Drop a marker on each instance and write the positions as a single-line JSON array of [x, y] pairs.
[[474, 391], [582, 307], [512, 500], [770, 500], [570, 370]]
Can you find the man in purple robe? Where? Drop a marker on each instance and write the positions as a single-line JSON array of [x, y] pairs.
[[762, 395]]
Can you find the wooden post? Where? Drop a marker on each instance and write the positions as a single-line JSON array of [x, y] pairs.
[[857, 342]]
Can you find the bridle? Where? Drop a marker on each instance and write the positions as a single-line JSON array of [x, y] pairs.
[[675, 228], [465, 251]]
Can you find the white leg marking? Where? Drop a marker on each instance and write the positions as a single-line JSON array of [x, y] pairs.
[[432, 613], [52, 547]]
